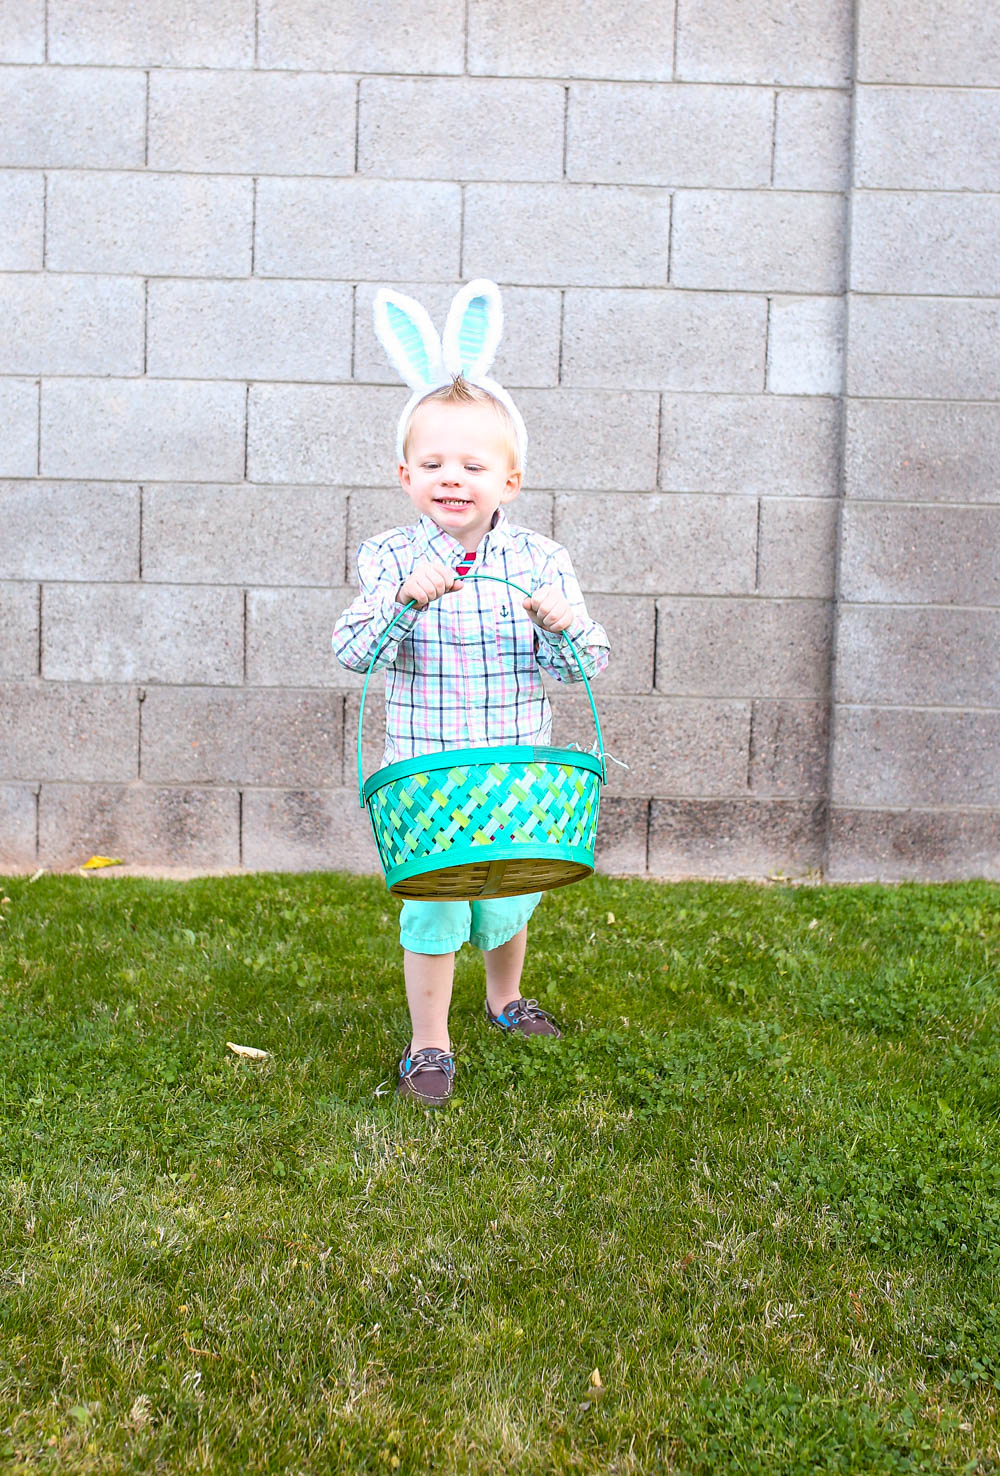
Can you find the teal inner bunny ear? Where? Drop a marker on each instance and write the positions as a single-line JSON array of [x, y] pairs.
[[473, 330], [411, 342]]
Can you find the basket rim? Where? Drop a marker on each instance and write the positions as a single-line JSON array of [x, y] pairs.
[[450, 758]]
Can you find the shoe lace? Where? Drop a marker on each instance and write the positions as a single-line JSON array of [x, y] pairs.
[[527, 1009], [429, 1059]]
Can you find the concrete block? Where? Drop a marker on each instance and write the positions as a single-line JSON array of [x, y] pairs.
[[529, 349], [251, 122], [372, 229], [550, 40], [672, 746], [735, 838], [71, 324], [566, 234], [920, 555], [373, 510], [796, 546], [72, 117], [947, 658], [913, 845], [921, 451], [939, 41], [789, 749], [812, 140], [630, 624], [460, 128], [307, 830], [21, 221], [144, 826], [332, 35], [143, 429], [806, 45], [742, 648], [173, 33], [142, 633], [751, 444], [650, 544], [59, 730], [243, 535], [922, 348], [805, 345], [934, 242], [185, 225], [250, 330], [577, 438], [926, 138], [372, 736], [621, 836], [206, 735], [18, 806], [664, 340], [69, 530], [758, 240], [660, 134], [288, 638], [332, 434], [18, 630], [898, 756], [22, 30], [18, 427]]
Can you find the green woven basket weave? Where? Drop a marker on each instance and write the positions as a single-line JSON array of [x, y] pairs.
[[484, 822]]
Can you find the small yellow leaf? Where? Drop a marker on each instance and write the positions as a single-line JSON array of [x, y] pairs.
[[595, 1379], [251, 1051], [611, 917], [96, 862]]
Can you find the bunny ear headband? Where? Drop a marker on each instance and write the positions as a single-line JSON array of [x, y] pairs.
[[472, 333]]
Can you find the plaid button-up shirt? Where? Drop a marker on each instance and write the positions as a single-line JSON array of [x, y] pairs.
[[465, 671]]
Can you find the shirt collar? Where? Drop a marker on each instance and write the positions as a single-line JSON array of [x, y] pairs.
[[449, 549]]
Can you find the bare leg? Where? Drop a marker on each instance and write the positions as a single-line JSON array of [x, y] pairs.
[[429, 977], [503, 971]]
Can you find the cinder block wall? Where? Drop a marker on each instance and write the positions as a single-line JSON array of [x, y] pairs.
[[702, 218], [915, 778]]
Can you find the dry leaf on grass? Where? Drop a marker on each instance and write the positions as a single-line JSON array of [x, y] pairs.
[[251, 1051], [96, 862]]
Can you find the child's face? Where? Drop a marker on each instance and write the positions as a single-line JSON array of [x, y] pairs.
[[457, 468]]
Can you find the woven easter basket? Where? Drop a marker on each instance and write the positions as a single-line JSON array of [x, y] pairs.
[[470, 823]]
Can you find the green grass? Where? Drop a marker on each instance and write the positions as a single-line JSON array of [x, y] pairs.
[[756, 1185]]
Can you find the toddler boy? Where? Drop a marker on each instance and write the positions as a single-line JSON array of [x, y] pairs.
[[463, 670]]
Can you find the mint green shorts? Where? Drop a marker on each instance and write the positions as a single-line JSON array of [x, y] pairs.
[[442, 927]]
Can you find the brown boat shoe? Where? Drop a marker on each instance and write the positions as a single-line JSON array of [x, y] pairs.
[[525, 1016], [428, 1076]]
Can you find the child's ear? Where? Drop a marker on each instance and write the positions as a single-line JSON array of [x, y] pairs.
[[512, 488]]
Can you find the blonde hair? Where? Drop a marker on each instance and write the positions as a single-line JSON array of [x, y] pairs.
[[461, 392]]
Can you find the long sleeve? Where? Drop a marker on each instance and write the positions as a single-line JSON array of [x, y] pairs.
[[591, 640], [362, 625]]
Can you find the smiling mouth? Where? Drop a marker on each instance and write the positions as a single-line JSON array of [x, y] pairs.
[[453, 501]]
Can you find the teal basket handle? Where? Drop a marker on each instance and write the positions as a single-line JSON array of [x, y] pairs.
[[492, 579]]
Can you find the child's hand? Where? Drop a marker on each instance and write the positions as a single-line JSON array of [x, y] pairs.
[[550, 609], [427, 582]]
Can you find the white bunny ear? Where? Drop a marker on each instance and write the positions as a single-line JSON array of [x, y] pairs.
[[408, 336], [473, 329]]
